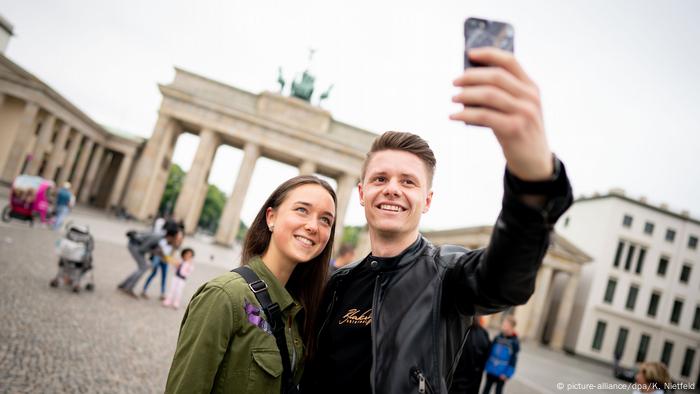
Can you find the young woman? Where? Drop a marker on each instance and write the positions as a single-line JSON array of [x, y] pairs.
[[225, 343]]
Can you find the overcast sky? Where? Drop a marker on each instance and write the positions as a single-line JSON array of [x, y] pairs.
[[619, 79]]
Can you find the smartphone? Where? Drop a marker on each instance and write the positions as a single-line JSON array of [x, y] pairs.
[[485, 33]]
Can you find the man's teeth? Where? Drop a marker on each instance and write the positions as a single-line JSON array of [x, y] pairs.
[[388, 207], [304, 240]]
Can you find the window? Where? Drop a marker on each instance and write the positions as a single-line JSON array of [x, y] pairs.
[[630, 253], [610, 291], [688, 362], [676, 312], [667, 352], [621, 341], [632, 297], [692, 242], [663, 266], [643, 348], [627, 221], [618, 254], [685, 273], [653, 304], [640, 260], [68, 142], [670, 235], [696, 319], [649, 228], [599, 334]]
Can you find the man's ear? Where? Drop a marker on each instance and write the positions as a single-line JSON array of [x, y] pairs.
[[428, 200], [361, 193]]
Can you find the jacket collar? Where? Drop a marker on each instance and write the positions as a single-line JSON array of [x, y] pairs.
[[278, 293], [406, 257]]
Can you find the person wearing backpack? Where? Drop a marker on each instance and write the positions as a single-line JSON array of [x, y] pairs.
[[500, 366], [248, 331], [142, 244]]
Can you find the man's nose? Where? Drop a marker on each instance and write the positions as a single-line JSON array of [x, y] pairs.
[[391, 188]]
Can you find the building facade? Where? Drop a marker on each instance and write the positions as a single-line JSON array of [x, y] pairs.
[[639, 300], [44, 134]]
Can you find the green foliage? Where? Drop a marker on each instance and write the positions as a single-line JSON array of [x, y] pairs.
[[351, 234], [172, 189], [211, 211]]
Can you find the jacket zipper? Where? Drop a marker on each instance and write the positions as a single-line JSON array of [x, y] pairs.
[[375, 302], [423, 385], [328, 315]]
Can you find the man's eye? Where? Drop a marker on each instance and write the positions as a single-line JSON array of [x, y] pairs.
[[408, 181], [380, 179]]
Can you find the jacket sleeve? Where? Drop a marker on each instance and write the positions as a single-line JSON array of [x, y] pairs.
[[503, 274], [206, 328]]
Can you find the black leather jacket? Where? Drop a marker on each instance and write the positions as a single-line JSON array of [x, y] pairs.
[[423, 306]]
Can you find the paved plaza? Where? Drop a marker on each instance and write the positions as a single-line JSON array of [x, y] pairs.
[[55, 341]]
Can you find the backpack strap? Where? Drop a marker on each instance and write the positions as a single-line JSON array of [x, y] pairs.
[[274, 317]]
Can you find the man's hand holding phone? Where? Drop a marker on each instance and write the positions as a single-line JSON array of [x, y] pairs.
[[500, 95]]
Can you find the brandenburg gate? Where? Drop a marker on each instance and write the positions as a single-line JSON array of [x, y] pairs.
[[285, 129]]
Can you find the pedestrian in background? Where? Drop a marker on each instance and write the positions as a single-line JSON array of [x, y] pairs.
[[184, 269], [346, 254], [64, 202], [652, 376], [475, 352], [503, 356]]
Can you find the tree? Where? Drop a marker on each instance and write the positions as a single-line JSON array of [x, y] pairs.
[[172, 189], [211, 211]]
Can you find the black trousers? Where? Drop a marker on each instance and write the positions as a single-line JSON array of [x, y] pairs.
[[491, 379]]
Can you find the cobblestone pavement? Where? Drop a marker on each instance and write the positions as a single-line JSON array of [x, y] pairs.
[[52, 340]]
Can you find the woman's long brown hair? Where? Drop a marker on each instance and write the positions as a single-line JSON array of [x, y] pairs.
[[308, 280]]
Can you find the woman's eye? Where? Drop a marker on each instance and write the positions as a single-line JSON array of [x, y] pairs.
[[301, 209], [326, 221]]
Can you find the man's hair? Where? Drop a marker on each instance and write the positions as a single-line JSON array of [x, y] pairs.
[[406, 142], [510, 319]]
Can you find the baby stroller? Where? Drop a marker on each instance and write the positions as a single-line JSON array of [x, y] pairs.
[[75, 258]]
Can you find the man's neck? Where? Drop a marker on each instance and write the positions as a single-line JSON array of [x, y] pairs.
[[392, 244]]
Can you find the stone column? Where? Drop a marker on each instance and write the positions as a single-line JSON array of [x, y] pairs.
[[120, 181], [196, 177], [69, 158], [540, 300], [346, 185], [143, 182], [564, 313], [57, 153], [41, 144], [195, 212], [230, 218], [86, 190], [23, 135], [82, 164], [307, 168]]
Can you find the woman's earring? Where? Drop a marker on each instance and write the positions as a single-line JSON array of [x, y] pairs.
[[271, 227]]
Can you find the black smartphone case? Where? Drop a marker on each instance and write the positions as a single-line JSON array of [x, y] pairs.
[[485, 33]]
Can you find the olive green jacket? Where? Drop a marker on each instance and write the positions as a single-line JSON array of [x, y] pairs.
[[220, 348]]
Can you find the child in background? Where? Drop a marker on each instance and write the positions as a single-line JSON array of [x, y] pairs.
[[184, 269], [504, 354]]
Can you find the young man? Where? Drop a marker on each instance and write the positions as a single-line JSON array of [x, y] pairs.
[[395, 321]]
